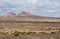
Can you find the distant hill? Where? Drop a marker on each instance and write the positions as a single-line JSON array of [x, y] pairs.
[[26, 16], [9, 14], [23, 14]]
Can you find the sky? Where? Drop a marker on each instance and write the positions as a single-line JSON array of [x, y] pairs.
[[48, 8]]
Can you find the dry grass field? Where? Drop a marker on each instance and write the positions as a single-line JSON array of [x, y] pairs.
[[14, 28]]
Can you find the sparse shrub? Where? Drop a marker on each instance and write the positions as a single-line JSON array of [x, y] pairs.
[[42, 32], [52, 32], [29, 33], [16, 33], [33, 33]]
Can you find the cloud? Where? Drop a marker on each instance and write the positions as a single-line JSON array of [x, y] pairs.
[[40, 7], [50, 11], [33, 2]]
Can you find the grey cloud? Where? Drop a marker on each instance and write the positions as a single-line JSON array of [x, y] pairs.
[[39, 7]]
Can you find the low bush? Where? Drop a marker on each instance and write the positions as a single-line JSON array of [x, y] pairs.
[[16, 33]]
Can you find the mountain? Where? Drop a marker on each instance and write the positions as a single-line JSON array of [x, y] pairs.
[[9, 14], [25, 16], [29, 15], [22, 14]]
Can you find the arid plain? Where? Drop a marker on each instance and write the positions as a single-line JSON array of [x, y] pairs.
[[28, 26]]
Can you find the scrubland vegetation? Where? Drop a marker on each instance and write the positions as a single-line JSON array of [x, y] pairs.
[[29, 30]]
